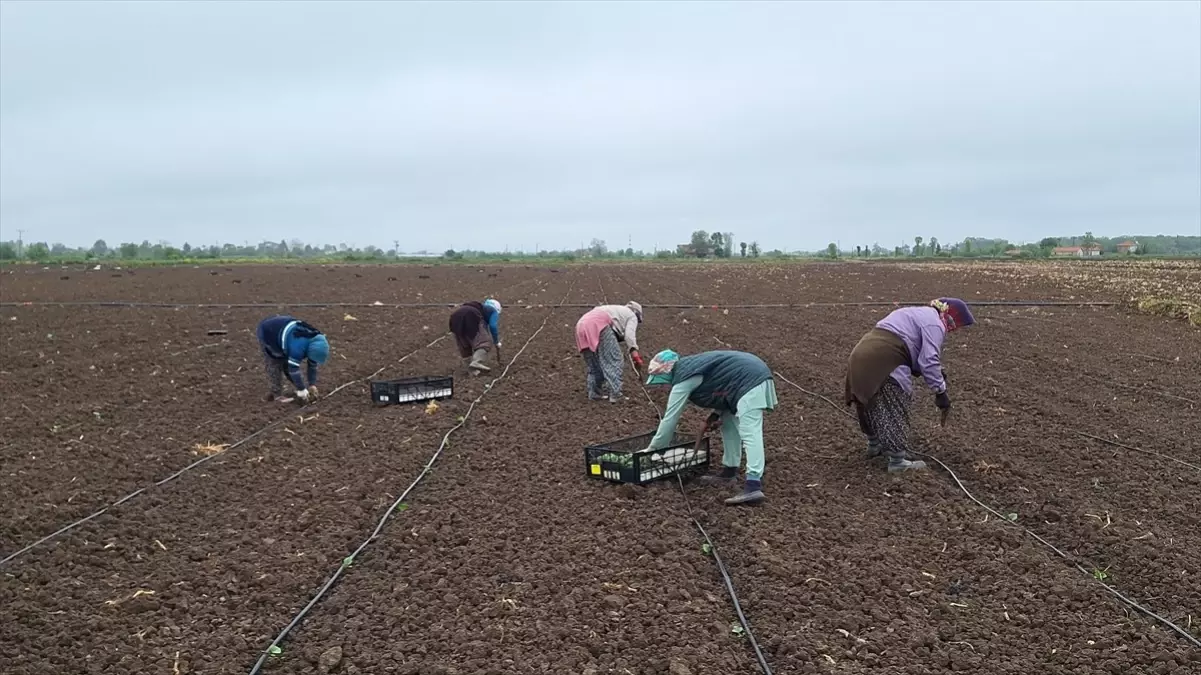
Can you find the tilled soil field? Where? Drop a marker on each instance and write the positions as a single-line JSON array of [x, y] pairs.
[[506, 558]]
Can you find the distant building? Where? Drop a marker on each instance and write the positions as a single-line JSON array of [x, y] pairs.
[[685, 250], [1013, 252], [1092, 251], [1128, 246]]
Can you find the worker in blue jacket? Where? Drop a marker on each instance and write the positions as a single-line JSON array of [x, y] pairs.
[[286, 342]]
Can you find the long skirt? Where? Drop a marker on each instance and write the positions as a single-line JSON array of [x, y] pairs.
[[885, 419], [470, 331], [604, 365]]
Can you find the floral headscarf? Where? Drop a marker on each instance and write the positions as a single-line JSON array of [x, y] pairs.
[[953, 312], [660, 367]]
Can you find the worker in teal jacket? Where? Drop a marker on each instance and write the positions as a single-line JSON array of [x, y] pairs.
[[738, 387], [287, 342]]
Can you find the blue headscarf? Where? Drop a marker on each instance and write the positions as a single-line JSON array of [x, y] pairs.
[[318, 351]]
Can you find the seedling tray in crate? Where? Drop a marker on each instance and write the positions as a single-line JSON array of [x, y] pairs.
[[628, 461], [411, 389]]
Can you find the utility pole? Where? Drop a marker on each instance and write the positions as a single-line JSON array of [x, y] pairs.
[[20, 241], [396, 247]]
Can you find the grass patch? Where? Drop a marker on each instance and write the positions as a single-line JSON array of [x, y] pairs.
[[1174, 308]]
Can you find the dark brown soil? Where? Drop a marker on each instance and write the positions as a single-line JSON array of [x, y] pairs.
[[507, 559]]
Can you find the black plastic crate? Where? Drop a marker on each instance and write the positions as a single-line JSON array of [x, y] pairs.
[[412, 389], [628, 461]]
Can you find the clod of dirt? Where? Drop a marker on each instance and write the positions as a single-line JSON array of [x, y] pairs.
[[329, 659], [615, 601], [678, 668], [628, 492]]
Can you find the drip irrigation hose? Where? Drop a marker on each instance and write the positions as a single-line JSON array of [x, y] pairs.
[[1134, 449], [725, 577], [347, 561], [721, 566], [1110, 589], [1102, 440], [189, 467], [432, 305], [1117, 594]]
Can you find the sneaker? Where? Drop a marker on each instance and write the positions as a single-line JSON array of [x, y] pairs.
[[899, 465]]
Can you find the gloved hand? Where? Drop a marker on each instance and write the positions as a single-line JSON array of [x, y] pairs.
[[302, 395], [712, 422], [638, 363], [499, 343], [944, 404]]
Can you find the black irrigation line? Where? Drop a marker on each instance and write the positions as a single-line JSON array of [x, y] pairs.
[[1005, 521], [433, 305], [1065, 427], [193, 465], [721, 565], [1134, 449], [375, 534]]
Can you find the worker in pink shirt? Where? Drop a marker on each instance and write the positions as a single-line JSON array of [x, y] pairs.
[[597, 335]]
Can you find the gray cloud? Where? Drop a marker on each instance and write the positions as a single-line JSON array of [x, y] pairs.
[[486, 125]]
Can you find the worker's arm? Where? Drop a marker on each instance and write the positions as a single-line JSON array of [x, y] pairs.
[[675, 407], [494, 327]]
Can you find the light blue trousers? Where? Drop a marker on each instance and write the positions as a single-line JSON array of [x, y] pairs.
[[743, 432]]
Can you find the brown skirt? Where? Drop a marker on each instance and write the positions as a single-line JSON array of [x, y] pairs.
[[872, 360], [470, 331]]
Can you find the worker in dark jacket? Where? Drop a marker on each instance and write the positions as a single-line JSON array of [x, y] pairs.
[[472, 324], [286, 343], [879, 380], [738, 387]]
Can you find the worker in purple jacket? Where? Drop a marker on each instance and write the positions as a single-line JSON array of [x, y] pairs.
[[879, 381]]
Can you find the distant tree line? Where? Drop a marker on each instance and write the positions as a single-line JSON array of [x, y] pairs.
[[979, 247], [701, 245], [164, 251]]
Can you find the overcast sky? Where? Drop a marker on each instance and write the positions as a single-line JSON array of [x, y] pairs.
[[489, 124]]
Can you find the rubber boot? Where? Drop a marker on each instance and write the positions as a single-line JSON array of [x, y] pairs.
[[752, 493], [477, 361], [898, 464], [723, 478], [874, 449]]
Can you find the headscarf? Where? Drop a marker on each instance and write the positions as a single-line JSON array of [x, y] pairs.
[[953, 312], [494, 304], [637, 309], [318, 350], [660, 367]]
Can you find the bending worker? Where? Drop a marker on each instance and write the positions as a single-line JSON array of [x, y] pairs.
[[879, 380], [738, 387], [597, 335], [476, 327], [286, 342]]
